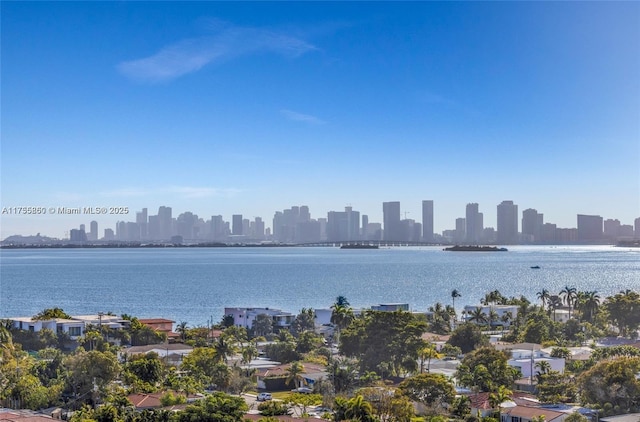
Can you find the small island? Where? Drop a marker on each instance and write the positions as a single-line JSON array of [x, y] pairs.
[[475, 248], [358, 246]]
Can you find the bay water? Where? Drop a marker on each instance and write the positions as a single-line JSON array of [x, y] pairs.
[[196, 284]]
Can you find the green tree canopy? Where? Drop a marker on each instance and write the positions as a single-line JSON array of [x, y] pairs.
[[218, 407], [51, 313], [384, 341], [612, 381], [467, 337], [486, 369], [432, 390]]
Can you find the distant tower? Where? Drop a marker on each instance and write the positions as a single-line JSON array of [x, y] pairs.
[[532, 223], [507, 223], [474, 224], [236, 224], [94, 230], [427, 221], [391, 220], [590, 228]]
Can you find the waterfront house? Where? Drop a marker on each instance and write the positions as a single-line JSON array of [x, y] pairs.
[[73, 328], [244, 317], [160, 325]]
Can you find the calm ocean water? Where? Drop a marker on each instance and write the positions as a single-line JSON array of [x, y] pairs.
[[195, 284]]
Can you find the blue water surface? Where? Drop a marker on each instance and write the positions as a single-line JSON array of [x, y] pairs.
[[195, 284]]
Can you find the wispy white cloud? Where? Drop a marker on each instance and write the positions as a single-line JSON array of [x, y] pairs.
[[227, 42], [300, 117], [187, 192]]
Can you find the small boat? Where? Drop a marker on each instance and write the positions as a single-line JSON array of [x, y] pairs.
[[535, 267]]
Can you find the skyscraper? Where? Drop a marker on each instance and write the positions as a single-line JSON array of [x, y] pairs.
[[590, 228], [166, 223], [507, 222], [474, 221], [427, 221], [532, 223], [391, 220], [236, 225], [93, 226]]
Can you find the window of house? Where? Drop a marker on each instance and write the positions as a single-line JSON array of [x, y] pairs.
[[75, 331]]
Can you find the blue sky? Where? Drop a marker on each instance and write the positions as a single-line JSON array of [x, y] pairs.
[[248, 108]]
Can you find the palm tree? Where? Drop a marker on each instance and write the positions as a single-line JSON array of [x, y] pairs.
[[249, 353], [589, 305], [224, 347], [478, 316], [182, 329], [570, 294], [544, 296], [498, 397], [554, 303], [455, 294], [440, 319], [294, 374], [342, 301], [359, 410]]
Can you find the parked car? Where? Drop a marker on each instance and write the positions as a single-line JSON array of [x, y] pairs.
[[263, 396], [303, 390]]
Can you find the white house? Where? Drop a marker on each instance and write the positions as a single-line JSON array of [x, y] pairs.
[[73, 328], [244, 317], [527, 360]]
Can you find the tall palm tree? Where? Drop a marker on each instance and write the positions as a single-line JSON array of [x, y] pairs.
[[570, 294], [224, 347], [544, 297], [455, 294], [590, 304], [554, 303]]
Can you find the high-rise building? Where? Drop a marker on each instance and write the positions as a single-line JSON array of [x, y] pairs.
[[474, 221], [218, 228], [391, 220], [166, 223], [93, 235], [532, 223], [589, 228], [236, 225], [461, 230], [507, 223], [612, 229], [636, 228], [343, 225], [427, 221], [142, 219]]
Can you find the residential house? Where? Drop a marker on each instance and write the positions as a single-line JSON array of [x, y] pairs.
[[273, 378], [528, 414], [244, 317], [73, 328]]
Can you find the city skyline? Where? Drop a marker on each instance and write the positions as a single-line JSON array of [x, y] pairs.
[[298, 224], [225, 108]]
